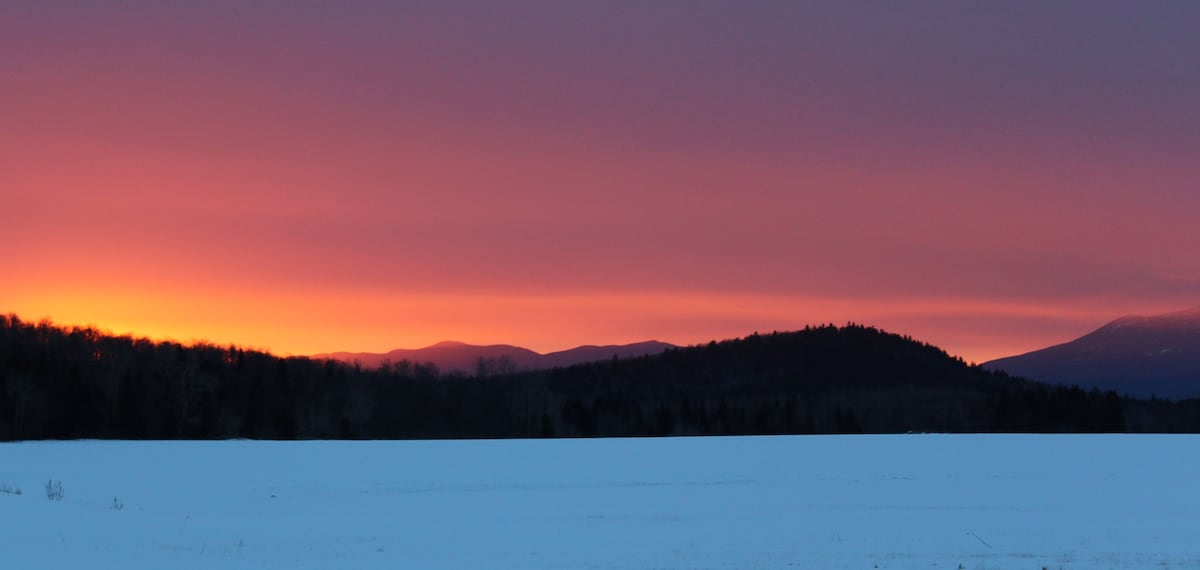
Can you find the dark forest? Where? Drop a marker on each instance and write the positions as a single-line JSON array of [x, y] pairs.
[[69, 383]]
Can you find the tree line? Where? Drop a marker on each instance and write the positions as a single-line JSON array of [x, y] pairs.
[[68, 383]]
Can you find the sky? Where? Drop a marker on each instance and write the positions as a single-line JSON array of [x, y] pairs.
[[305, 177]]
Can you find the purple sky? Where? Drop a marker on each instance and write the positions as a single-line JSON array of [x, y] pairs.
[[318, 176]]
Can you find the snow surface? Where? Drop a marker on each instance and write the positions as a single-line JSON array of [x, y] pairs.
[[918, 501]]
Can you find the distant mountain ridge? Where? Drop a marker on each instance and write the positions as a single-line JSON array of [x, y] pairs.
[[1141, 356], [73, 383], [452, 356]]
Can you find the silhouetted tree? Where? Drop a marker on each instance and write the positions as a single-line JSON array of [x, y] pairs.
[[77, 382]]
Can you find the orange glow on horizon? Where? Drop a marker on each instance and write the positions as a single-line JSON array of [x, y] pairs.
[[311, 322]]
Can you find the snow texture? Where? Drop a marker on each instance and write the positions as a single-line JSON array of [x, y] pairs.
[[917, 501]]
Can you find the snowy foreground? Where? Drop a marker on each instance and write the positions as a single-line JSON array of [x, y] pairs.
[[919, 501]]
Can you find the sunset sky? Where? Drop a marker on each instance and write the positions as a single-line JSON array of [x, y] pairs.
[[991, 177]]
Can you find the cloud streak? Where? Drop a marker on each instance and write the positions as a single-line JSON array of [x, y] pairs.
[[990, 178]]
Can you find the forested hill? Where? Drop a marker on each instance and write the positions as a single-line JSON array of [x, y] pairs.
[[80, 383]]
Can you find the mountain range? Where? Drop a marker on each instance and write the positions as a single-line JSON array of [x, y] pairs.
[[72, 383], [451, 356], [1141, 356]]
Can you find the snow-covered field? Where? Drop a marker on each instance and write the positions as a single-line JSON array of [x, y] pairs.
[[919, 501]]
